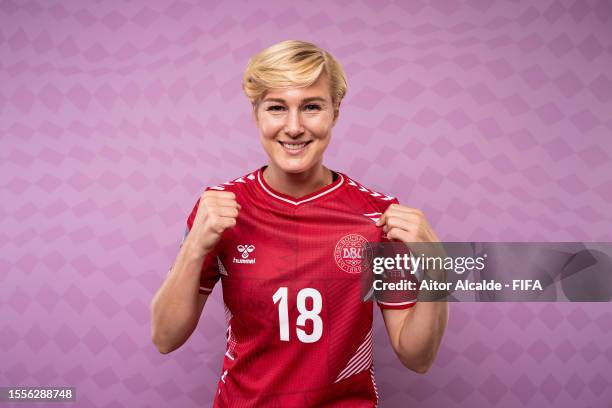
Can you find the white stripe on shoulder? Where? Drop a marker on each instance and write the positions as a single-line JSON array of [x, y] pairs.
[[241, 179], [369, 191]]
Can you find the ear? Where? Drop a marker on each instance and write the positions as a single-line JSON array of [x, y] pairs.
[[254, 113], [336, 114]]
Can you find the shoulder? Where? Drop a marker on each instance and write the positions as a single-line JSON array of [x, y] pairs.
[[237, 184], [376, 199]]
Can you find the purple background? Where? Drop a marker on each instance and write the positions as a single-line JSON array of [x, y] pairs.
[[492, 117]]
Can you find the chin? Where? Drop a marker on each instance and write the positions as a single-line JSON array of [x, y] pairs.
[[295, 167]]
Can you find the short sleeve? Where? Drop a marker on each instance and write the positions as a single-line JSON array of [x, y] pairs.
[[210, 272], [396, 299]]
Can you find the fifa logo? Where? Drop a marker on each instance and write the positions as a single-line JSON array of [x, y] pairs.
[[245, 251]]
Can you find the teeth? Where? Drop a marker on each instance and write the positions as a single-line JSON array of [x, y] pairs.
[[293, 146]]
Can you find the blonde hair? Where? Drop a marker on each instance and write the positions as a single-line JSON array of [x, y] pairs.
[[292, 63]]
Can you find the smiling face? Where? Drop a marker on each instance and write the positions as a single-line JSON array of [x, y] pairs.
[[295, 125]]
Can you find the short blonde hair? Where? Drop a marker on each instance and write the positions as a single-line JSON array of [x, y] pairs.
[[292, 63]]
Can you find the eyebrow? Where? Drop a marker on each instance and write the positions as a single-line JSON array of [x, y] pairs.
[[311, 99]]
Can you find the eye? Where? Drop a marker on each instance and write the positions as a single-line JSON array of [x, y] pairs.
[[312, 107], [275, 108]]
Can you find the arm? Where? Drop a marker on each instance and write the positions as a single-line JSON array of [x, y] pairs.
[[415, 333], [177, 305]]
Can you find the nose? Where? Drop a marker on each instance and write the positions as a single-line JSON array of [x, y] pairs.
[[293, 127]]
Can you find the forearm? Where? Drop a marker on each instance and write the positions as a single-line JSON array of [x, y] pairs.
[[421, 333], [174, 309]]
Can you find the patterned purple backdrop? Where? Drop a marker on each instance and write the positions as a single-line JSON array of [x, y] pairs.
[[495, 118]]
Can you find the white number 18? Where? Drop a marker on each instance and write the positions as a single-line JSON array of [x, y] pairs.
[[305, 314]]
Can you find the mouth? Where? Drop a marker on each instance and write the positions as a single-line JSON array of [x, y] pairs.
[[294, 147]]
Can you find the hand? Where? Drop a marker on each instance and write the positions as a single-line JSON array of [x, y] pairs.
[[409, 225], [406, 224], [216, 212]]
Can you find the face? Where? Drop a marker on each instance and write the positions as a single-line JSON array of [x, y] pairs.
[[295, 125]]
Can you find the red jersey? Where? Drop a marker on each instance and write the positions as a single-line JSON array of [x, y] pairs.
[[298, 332]]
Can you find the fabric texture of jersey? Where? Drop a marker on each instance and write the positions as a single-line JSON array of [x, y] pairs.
[[298, 332]]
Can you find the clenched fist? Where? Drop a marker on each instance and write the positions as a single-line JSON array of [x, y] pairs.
[[409, 225], [216, 212], [406, 224]]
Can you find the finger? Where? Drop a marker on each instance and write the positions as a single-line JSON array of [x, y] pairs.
[[401, 222], [230, 212], [397, 208], [220, 202], [219, 194], [400, 235], [224, 202], [410, 217], [223, 223], [382, 219]]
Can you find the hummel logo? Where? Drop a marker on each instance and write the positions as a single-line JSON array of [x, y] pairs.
[[245, 251]]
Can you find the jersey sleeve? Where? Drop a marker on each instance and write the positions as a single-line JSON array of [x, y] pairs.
[[210, 272], [396, 299]]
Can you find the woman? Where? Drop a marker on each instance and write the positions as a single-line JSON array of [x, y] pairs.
[[285, 241]]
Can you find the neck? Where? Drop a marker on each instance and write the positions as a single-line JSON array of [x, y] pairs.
[[297, 185]]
